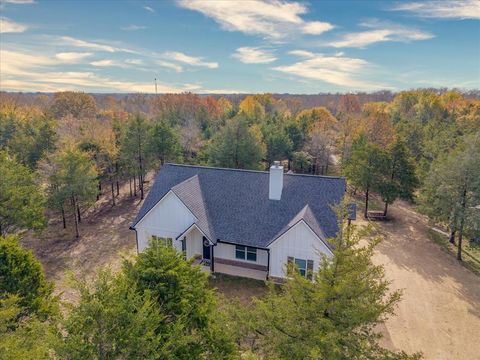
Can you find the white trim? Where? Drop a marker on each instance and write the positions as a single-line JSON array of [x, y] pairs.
[[159, 201], [198, 228], [309, 228]]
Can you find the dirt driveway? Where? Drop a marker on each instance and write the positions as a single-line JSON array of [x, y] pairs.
[[440, 310]]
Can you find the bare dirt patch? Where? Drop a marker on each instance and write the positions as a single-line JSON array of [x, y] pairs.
[[440, 310], [105, 240]]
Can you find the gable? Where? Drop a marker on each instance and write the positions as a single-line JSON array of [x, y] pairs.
[[299, 242], [300, 237], [168, 218]]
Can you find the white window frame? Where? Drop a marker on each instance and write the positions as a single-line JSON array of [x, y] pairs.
[[167, 241], [246, 250], [294, 262]]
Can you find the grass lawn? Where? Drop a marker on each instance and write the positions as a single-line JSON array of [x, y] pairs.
[[243, 289]]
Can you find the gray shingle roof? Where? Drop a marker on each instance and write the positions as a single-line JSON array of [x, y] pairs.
[[233, 205]]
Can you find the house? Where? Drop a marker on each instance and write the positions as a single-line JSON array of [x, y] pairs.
[[242, 222]]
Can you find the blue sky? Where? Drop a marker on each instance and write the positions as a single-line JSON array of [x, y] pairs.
[[247, 46]]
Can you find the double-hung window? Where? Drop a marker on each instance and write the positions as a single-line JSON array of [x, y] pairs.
[[167, 241], [245, 253], [304, 267]]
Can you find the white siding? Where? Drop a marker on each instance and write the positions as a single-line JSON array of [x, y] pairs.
[[299, 242], [194, 243], [227, 251], [168, 218]]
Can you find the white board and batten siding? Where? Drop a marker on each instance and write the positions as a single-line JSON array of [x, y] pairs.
[[168, 218], [227, 251], [194, 242], [299, 242]]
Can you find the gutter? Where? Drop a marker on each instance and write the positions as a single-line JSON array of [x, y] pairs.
[[232, 243]]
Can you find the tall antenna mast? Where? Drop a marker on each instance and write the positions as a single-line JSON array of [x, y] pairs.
[[155, 86]]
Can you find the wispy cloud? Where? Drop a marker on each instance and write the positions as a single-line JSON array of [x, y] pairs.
[[70, 41], [129, 63], [337, 70], [190, 60], [24, 71], [169, 65], [148, 8], [134, 27], [254, 55], [443, 9], [17, 2], [134, 61], [10, 26], [274, 19], [381, 32], [72, 57], [302, 53]]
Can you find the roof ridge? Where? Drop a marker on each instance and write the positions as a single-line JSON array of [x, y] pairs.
[[253, 171], [216, 168]]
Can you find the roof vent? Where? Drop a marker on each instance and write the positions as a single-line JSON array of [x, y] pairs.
[[276, 181]]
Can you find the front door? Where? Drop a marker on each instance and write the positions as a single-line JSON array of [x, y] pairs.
[[206, 248]]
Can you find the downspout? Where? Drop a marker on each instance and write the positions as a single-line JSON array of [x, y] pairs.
[[268, 263], [136, 235]]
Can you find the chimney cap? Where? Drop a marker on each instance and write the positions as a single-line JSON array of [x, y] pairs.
[[276, 163]]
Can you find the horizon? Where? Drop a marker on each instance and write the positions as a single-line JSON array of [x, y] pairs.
[[216, 47]]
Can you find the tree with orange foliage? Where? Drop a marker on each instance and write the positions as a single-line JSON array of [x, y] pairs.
[[77, 104], [376, 124], [252, 108]]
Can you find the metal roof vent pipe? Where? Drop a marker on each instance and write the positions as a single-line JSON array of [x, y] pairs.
[[276, 181]]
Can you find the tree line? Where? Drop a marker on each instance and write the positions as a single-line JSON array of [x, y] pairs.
[[78, 148]]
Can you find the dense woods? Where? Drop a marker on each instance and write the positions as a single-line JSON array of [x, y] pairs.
[[61, 153], [77, 147]]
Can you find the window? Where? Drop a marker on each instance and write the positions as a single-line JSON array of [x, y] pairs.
[[304, 267], [184, 246], [165, 240], [245, 253]]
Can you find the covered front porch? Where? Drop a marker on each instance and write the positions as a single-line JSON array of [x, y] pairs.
[[223, 257]]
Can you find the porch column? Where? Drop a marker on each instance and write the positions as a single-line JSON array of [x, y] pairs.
[[212, 260]]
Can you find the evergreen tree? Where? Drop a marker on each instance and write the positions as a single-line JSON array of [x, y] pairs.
[[193, 326], [25, 336], [279, 145], [237, 146], [113, 321], [21, 201], [366, 167], [73, 180], [164, 141], [134, 148], [451, 190], [400, 180], [21, 275]]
